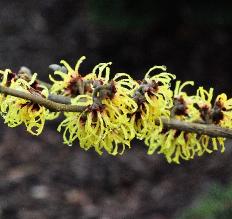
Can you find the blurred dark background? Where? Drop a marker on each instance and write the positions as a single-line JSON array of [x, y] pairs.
[[42, 178]]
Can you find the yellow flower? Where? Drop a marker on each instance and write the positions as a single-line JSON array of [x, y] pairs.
[[70, 80], [175, 144], [210, 116], [105, 124], [222, 114], [16, 111], [184, 105], [73, 84], [154, 100], [98, 126], [5, 80]]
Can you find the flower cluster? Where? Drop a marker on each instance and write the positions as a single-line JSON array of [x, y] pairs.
[[16, 111], [117, 109], [105, 123]]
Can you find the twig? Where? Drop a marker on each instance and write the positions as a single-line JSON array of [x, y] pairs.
[[201, 129], [59, 99], [210, 130], [51, 105]]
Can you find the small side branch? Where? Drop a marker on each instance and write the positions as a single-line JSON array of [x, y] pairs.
[[64, 106]]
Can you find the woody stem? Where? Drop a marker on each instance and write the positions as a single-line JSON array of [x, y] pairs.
[[62, 104]]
